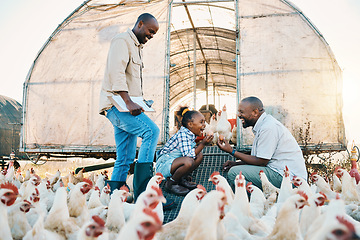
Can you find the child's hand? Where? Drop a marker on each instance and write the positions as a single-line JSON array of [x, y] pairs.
[[208, 138]]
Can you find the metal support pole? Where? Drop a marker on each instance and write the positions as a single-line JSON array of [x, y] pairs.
[[214, 93], [166, 103], [206, 86], [194, 68], [239, 143]]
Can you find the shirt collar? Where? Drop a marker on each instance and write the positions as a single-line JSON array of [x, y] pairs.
[[187, 131], [259, 122], [134, 38]]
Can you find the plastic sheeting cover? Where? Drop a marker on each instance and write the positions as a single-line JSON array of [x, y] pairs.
[[283, 60]]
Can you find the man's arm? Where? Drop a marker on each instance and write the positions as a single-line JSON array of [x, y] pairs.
[[248, 159], [134, 108]]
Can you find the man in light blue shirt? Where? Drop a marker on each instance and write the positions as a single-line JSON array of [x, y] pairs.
[[273, 148]]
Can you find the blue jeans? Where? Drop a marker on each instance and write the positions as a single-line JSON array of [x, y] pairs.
[[126, 129]]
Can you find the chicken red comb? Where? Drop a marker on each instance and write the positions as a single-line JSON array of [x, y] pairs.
[[286, 168], [159, 174], [99, 220], [107, 185], [37, 177], [158, 190], [303, 194], [323, 195], [10, 186], [27, 202], [240, 173], [97, 188], [201, 187], [214, 174], [260, 172], [337, 196], [248, 184], [152, 214], [294, 177], [313, 174], [347, 223], [88, 181], [220, 189], [337, 168], [37, 191], [125, 188]]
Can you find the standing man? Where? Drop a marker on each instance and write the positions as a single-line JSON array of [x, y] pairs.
[[123, 76], [273, 148]]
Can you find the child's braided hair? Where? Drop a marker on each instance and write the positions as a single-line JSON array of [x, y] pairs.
[[186, 115]]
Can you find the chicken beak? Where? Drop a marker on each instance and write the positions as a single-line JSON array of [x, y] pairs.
[[163, 199]]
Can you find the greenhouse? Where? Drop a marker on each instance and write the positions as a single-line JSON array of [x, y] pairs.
[[205, 53]]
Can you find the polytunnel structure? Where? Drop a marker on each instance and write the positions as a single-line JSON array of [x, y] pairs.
[[204, 50]]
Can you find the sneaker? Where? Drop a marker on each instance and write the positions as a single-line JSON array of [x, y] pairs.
[[185, 182], [173, 187]]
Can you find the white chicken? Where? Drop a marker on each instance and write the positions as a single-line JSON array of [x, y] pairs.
[[17, 219], [257, 200], [287, 222], [77, 201], [223, 126], [286, 189], [241, 209], [28, 187], [143, 226], [176, 229], [268, 188], [149, 198], [115, 219], [38, 232], [348, 186], [220, 181], [8, 195], [156, 181], [323, 186], [203, 224], [93, 229], [105, 195], [58, 219], [312, 211]]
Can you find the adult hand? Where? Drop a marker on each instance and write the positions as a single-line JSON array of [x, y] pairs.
[[208, 139], [224, 145], [134, 108], [228, 164]]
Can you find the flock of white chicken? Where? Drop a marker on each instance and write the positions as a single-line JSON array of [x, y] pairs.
[[219, 126], [34, 208]]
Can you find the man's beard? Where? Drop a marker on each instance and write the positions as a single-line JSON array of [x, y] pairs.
[[245, 123]]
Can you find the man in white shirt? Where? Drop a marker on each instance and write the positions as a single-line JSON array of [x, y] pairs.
[[273, 148]]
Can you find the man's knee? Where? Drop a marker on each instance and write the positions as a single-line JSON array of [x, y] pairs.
[[152, 132], [233, 172]]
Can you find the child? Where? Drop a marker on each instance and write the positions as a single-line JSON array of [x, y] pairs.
[[179, 157]]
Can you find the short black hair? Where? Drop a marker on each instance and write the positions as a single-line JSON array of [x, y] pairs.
[[255, 102], [144, 18], [186, 116]]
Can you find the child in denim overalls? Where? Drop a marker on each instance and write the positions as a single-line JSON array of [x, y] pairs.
[[179, 156]]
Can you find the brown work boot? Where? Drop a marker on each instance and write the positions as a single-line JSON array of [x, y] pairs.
[[186, 182], [173, 187]]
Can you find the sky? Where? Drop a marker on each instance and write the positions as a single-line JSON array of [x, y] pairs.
[[25, 25]]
